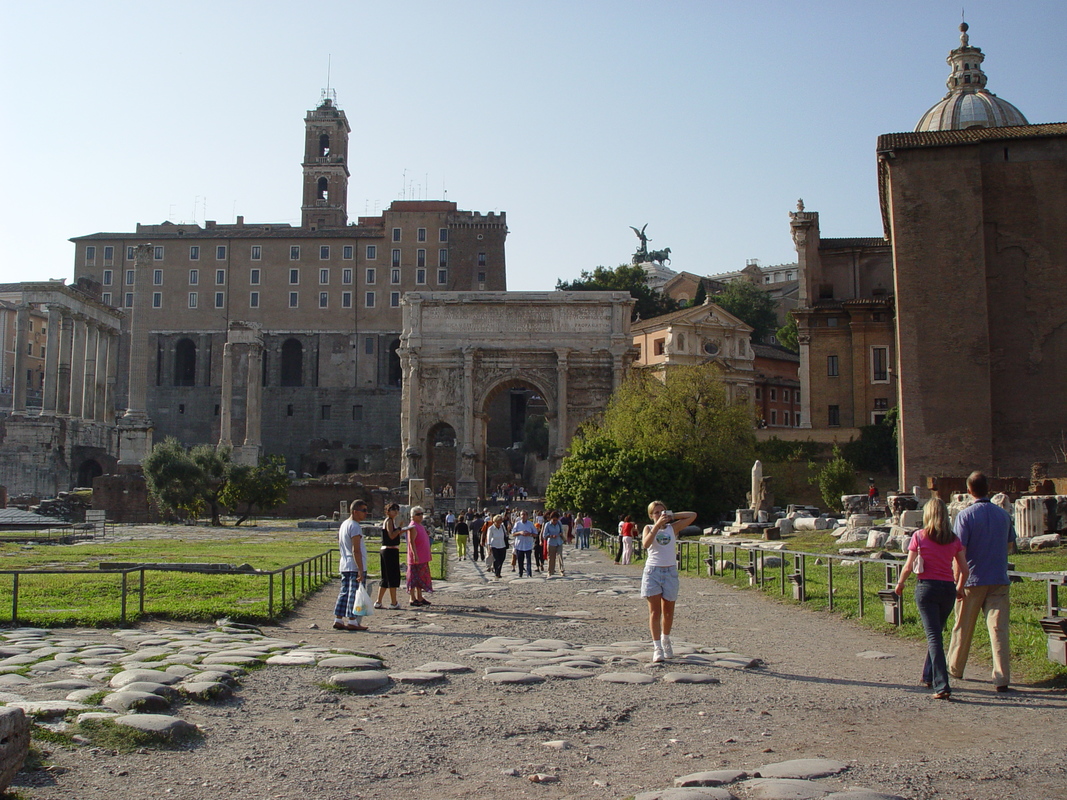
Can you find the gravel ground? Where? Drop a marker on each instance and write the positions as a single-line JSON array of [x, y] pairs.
[[286, 736]]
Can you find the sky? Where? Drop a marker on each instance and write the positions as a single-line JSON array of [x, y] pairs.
[[707, 121]]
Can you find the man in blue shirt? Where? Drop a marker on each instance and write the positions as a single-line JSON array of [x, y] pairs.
[[987, 532]]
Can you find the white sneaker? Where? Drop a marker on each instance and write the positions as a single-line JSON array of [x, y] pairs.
[[665, 643], [657, 654]]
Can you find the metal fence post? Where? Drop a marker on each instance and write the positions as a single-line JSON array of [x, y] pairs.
[[15, 599], [270, 597], [122, 614], [140, 606]]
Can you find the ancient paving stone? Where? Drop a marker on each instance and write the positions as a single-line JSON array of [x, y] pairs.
[[14, 743], [415, 676], [132, 675], [363, 681], [513, 677], [862, 794], [135, 701], [689, 677], [557, 744], [804, 768], [159, 724], [716, 777], [181, 670], [292, 660], [560, 671], [91, 715], [626, 677], [783, 789], [47, 708], [345, 662], [740, 662], [162, 689], [66, 685], [207, 691], [81, 695], [443, 666], [227, 658], [690, 793]]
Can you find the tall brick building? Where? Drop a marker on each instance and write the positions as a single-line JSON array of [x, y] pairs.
[[283, 339]]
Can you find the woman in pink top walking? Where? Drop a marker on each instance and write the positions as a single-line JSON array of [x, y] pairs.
[[937, 589]]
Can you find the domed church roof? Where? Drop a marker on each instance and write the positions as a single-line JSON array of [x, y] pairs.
[[968, 104]]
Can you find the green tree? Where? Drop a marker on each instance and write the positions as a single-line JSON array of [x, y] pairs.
[[751, 305], [264, 486], [214, 464], [835, 479], [678, 438], [700, 296], [624, 278], [175, 481], [787, 335], [535, 435]]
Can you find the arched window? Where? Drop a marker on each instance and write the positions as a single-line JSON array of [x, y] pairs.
[[323, 190], [292, 363], [324, 145], [185, 363], [395, 372]]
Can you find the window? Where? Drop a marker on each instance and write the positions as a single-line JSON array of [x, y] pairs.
[[257, 252], [481, 259], [253, 277], [157, 252], [420, 259], [831, 367], [107, 277], [442, 258], [90, 254], [185, 363], [396, 258], [253, 299], [370, 275], [442, 235], [324, 277], [759, 393], [346, 252], [324, 252], [294, 277], [879, 365], [442, 277], [130, 254], [324, 412], [324, 299], [422, 235], [369, 300], [220, 299], [774, 417], [194, 277], [346, 299], [129, 300], [129, 277], [372, 252], [394, 299], [292, 364], [294, 252], [106, 297], [192, 299], [346, 275], [109, 254], [368, 345], [394, 276], [220, 277], [481, 277], [833, 416], [881, 404], [659, 346], [396, 234], [220, 253], [357, 413], [831, 322], [420, 277], [774, 394], [157, 277], [289, 410], [294, 299]]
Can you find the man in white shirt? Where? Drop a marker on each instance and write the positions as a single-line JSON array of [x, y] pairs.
[[353, 567]]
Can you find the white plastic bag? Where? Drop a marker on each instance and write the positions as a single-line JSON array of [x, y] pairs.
[[362, 605]]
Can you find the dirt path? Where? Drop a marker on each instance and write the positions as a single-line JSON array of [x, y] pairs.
[[285, 736]]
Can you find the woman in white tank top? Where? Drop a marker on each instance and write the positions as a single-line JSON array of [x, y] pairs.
[[659, 581]]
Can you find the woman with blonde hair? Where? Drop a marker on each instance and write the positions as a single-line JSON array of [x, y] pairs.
[[418, 558], [659, 581], [932, 552]]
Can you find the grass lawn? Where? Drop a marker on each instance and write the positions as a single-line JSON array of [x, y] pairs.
[[1028, 641], [94, 599]]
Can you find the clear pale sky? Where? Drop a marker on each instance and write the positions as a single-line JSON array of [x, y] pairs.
[[706, 120]]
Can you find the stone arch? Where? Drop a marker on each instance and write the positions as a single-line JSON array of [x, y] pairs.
[[495, 437], [441, 465], [89, 469]]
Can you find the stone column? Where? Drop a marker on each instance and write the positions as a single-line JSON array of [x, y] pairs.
[[66, 344], [804, 341], [250, 451], [112, 375], [100, 393], [562, 354], [77, 367], [466, 484], [51, 361], [22, 340], [225, 409], [92, 342], [135, 428]]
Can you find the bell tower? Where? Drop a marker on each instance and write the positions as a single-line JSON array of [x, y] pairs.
[[326, 173]]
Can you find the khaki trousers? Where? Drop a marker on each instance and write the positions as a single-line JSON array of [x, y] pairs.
[[992, 601]]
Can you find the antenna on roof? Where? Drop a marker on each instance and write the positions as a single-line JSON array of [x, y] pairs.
[[329, 96]]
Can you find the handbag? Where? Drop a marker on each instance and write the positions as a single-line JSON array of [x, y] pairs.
[[362, 606], [918, 565]]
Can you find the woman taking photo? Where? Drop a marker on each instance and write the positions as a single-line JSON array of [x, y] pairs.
[[931, 554], [390, 558], [659, 581], [418, 559]]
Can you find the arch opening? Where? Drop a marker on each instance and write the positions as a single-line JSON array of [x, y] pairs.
[[292, 363], [185, 363]]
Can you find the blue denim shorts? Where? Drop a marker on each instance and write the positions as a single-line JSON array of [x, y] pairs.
[[660, 580]]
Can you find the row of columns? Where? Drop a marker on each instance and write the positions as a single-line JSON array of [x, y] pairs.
[[249, 340], [81, 364]]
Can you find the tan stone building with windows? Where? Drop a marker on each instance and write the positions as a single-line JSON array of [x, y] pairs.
[[313, 313]]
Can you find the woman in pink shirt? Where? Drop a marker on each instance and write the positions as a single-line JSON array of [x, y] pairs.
[[418, 559], [937, 588]]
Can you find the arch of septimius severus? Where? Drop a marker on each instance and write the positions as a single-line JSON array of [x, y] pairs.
[[460, 349]]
